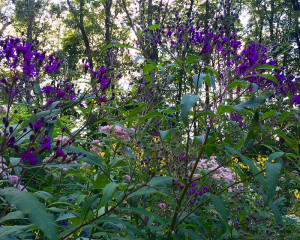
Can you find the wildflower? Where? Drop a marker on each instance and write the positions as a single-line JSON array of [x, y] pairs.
[[162, 205], [29, 157], [297, 195], [3, 109], [59, 153], [47, 90], [13, 179]]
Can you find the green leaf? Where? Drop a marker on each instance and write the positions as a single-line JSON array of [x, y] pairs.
[[154, 26], [144, 191], [268, 67], [37, 88], [36, 211], [275, 155], [215, 72], [164, 134], [220, 206], [12, 216], [284, 116], [268, 114], [90, 158], [253, 103], [273, 174], [87, 205], [187, 102], [160, 181], [108, 192], [198, 83], [170, 78], [223, 212], [15, 161], [6, 231], [236, 84], [148, 68], [193, 59]]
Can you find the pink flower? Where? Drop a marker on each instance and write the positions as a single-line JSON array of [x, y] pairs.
[[162, 205], [127, 177], [13, 179]]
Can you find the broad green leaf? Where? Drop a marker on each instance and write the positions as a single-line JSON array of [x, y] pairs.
[[145, 190], [87, 205], [164, 134], [223, 212], [170, 78], [130, 227], [6, 231], [268, 114], [148, 68], [12, 216], [160, 181], [187, 102], [265, 75], [154, 26], [36, 211], [15, 161], [193, 59], [273, 174], [253, 103], [198, 83], [89, 158], [108, 192], [275, 155], [220, 206], [37, 88], [236, 84], [284, 116]]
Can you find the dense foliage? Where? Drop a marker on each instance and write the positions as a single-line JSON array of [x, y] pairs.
[[203, 144]]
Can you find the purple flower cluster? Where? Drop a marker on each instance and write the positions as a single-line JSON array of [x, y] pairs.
[[59, 92], [235, 117], [19, 53], [29, 157]]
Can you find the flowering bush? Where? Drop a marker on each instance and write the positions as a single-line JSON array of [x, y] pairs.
[[98, 165]]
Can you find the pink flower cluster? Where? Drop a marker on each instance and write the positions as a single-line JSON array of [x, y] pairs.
[[222, 173], [62, 139], [121, 133], [3, 109], [12, 179], [94, 148]]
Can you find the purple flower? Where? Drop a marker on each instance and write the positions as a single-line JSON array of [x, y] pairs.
[[60, 93], [29, 157], [45, 142], [37, 126], [296, 99], [86, 68], [169, 33], [72, 97], [59, 153], [47, 90], [102, 99]]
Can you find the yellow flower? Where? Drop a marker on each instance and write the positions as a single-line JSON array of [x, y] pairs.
[[102, 154], [297, 195]]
